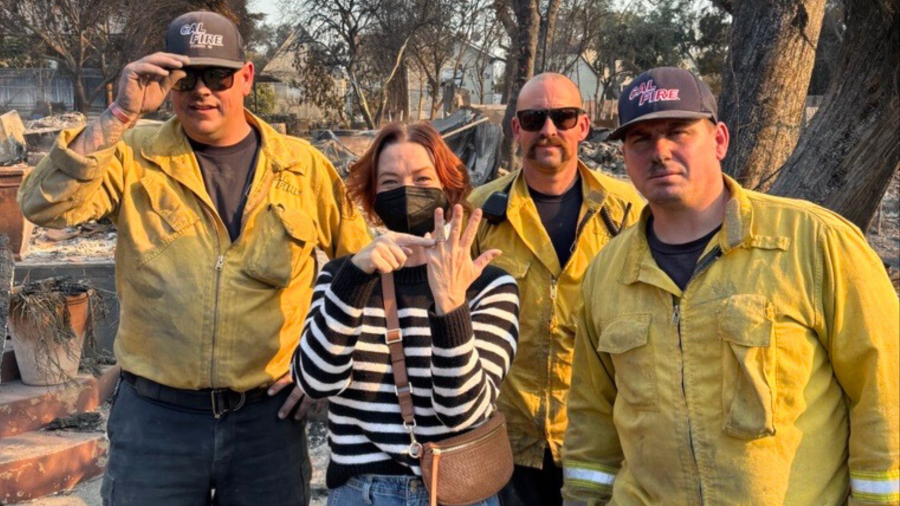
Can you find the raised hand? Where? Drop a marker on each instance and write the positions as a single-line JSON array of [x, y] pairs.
[[143, 86], [388, 252], [145, 83], [451, 269]]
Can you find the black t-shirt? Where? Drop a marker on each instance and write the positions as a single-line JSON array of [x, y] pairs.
[[227, 173], [677, 260], [559, 215]]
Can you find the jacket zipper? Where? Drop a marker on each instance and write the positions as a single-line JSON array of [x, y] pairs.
[[220, 264], [554, 291], [463, 446], [702, 265], [554, 281]]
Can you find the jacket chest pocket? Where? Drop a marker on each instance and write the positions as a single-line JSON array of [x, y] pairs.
[[515, 268], [283, 239], [170, 219], [746, 327], [626, 340]]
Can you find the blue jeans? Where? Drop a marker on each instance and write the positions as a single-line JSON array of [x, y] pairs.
[[164, 455], [379, 490]]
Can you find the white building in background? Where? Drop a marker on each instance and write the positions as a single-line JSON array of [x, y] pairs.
[[592, 87], [477, 81], [585, 77]]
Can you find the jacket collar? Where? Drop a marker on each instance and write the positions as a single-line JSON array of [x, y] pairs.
[[523, 216], [738, 230], [169, 148], [169, 145], [737, 227]]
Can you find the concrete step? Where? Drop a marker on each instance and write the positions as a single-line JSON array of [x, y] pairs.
[[60, 501], [87, 493], [25, 408], [36, 464]]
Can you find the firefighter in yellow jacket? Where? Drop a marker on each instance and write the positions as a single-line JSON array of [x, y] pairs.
[[734, 348], [218, 220], [550, 219]]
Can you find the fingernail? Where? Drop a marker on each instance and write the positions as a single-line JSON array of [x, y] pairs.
[[281, 416], [271, 392]]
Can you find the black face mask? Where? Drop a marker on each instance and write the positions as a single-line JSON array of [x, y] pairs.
[[410, 209]]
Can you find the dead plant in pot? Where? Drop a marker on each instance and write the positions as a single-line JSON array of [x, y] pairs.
[[52, 323]]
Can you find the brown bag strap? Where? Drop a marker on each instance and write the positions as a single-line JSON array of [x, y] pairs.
[[394, 339]]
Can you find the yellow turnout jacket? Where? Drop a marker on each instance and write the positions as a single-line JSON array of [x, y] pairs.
[[771, 380], [533, 395], [196, 310]]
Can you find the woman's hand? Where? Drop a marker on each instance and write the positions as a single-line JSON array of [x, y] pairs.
[[388, 252], [451, 269]]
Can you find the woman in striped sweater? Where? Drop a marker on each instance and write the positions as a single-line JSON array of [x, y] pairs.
[[458, 317]]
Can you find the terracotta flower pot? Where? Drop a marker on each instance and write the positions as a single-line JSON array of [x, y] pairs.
[[12, 223], [45, 362]]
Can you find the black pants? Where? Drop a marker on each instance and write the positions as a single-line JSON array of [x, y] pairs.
[[164, 455], [534, 487]]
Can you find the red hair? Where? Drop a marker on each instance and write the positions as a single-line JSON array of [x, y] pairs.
[[451, 172]]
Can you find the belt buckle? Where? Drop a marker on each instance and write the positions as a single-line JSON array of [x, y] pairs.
[[393, 336], [217, 409]]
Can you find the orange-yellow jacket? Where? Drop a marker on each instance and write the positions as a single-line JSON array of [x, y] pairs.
[[533, 395], [196, 310], [771, 380]]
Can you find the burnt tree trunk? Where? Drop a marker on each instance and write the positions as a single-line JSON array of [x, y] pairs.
[[6, 277], [524, 50], [773, 49], [505, 17], [847, 156], [81, 102], [545, 35], [398, 91]]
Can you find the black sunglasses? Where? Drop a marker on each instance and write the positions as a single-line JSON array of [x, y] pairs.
[[533, 120], [215, 78]]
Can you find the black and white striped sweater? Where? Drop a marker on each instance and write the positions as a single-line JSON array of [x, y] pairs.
[[456, 363]]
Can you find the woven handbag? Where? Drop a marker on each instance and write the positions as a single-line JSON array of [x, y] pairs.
[[457, 471]]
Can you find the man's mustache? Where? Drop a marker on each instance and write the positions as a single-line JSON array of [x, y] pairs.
[[659, 169], [546, 141]]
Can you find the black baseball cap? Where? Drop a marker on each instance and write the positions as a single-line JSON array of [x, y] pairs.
[[207, 38], [662, 93]]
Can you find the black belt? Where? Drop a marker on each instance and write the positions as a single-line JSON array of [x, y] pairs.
[[219, 401]]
